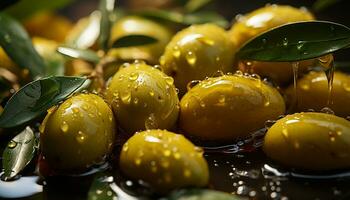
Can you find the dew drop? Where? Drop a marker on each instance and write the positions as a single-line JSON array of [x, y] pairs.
[[125, 96], [137, 161], [162, 60], [81, 137], [150, 122], [64, 127], [191, 84], [206, 41], [133, 76], [177, 156], [187, 173], [12, 144], [176, 52], [222, 99], [151, 93], [167, 153], [191, 58], [75, 110], [125, 147], [305, 86], [285, 42], [169, 80]]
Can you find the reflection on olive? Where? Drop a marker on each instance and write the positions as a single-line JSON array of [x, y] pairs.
[[311, 141], [143, 97], [197, 52], [78, 133], [165, 160], [229, 107]]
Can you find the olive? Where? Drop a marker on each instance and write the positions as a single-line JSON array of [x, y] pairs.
[[133, 25], [310, 141], [143, 97], [48, 25], [7, 63], [197, 52], [259, 21], [312, 93], [78, 133], [229, 107], [164, 160]]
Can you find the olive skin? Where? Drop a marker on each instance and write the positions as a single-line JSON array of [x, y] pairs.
[[132, 25], [261, 20], [228, 108], [310, 141], [165, 160], [197, 52], [143, 97], [78, 133], [312, 93]]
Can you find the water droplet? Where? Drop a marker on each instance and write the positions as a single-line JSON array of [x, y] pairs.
[[75, 110], [125, 147], [305, 86], [125, 96], [187, 173], [12, 144], [176, 52], [191, 84], [285, 133], [133, 76], [81, 137], [169, 80], [326, 61], [64, 127], [137, 161], [151, 122], [206, 41], [285, 42], [167, 153], [300, 45], [222, 99], [162, 60], [177, 155], [191, 58], [151, 93], [327, 110]]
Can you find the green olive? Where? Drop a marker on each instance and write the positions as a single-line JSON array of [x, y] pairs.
[[229, 107], [78, 133], [312, 93], [311, 141], [143, 97], [198, 52], [165, 160], [259, 21], [132, 25]]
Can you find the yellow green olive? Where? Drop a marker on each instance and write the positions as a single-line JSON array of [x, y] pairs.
[[78, 133], [132, 25], [143, 97], [311, 141], [312, 93], [198, 52], [164, 159], [261, 20], [229, 107]]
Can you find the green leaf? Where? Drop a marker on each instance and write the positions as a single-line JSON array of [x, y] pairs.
[[202, 194], [205, 17], [35, 98], [194, 5], [26, 8], [5, 3], [18, 46], [133, 40], [89, 33], [162, 15], [18, 153], [84, 54], [296, 41], [100, 188], [320, 5], [106, 7]]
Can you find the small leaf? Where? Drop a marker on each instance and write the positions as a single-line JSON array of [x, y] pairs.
[[202, 194], [205, 17], [106, 7], [35, 98], [194, 5], [134, 40], [297, 41], [26, 8], [87, 35], [5, 3], [18, 153], [17, 44], [162, 15], [100, 188], [84, 54], [320, 5]]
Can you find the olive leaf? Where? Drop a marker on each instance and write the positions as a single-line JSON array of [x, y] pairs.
[[162, 15], [5, 3], [26, 8], [296, 41], [18, 153], [202, 194], [89, 33], [133, 40], [194, 5], [18, 46], [100, 188], [205, 17], [107, 8], [320, 5], [84, 54], [36, 97]]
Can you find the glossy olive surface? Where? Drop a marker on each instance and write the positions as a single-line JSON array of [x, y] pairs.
[[78, 133], [165, 160], [229, 107], [258, 21], [311, 141], [313, 93], [143, 97], [132, 25], [197, 52]]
